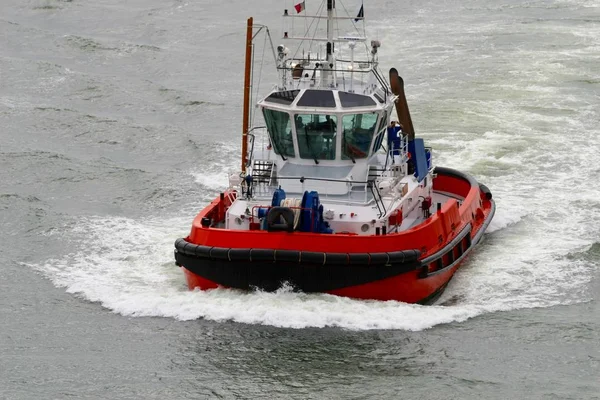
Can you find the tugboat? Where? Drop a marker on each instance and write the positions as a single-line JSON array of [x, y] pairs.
[[333, 197]]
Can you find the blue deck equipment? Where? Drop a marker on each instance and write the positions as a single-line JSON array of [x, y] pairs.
[[311, 217], [416, 148], [278, 197]]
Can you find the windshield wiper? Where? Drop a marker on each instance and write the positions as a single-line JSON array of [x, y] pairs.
[[308, 145], [346, 152]]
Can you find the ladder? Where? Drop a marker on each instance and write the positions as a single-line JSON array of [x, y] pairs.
[[263, 172]]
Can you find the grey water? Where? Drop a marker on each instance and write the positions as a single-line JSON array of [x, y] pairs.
[[120, 120]]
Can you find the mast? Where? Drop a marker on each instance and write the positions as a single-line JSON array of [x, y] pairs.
[[327, 73], [247, 84]]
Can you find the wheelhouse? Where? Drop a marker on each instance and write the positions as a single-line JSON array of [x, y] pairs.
[[324, 125]]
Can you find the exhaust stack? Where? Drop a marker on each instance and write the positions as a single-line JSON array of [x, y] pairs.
[[397, 86]]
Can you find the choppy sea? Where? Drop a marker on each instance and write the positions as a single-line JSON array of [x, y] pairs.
[[119, 122]]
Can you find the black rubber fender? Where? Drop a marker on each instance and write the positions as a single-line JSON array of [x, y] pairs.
[[202, 251], [181, 244], [262, 255], [186, 247], [287, 255], [359, 258], [336, 259], [379, 258], [219, 253], [412, 255], [239, 254], [486, 191], [246, 254], [404, 256], [397, 257], [312, 257]]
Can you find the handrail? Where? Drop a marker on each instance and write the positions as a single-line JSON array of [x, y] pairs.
[[249, 135], [378, 199], [383, 84], [303, 178], [341, 74], [370, 184], [357, 70]]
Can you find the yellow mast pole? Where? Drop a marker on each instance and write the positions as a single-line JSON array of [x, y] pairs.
[[247, 85]]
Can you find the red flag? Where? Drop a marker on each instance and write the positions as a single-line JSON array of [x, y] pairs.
[[299, 7]]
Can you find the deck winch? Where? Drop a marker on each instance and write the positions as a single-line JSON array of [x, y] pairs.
[[289, 214]]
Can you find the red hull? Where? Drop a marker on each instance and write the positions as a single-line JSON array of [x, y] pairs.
[[438, 261]]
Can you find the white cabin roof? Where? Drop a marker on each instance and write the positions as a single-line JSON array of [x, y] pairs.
[[326, 101]]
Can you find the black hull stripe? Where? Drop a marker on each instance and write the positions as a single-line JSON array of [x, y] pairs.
[[307, 277]]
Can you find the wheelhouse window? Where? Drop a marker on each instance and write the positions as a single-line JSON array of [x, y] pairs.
[[280, 131], [316, 134], [317, 98], [350, 100], [381, 129], [286, 97], [357, 135]]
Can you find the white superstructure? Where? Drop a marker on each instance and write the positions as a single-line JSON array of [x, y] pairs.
[[326, 131]]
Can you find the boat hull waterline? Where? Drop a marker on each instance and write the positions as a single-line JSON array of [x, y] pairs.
[[412, 266]]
